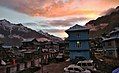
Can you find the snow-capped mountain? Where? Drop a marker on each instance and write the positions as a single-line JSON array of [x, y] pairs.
[[13, 34], [51, 37]]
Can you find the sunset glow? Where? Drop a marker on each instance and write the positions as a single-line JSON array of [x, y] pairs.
[[44, 13]]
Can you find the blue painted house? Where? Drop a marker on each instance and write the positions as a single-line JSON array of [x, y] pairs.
[[78, 42]]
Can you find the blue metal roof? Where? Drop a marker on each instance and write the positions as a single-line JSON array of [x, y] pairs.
[[77, 28], [7, 46], [111, 38], [115, 30]]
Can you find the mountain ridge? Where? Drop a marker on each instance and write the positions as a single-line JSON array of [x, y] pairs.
[[104, 24], [13, 34]]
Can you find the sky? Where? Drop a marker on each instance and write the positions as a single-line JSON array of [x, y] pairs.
[[54, 16]]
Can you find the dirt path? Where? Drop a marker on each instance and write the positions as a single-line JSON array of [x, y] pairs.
[[54, 67]]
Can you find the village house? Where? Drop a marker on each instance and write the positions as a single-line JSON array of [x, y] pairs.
[[6, 54], [29, 44], [111, 44], [11, 60], [52, 46], [43, 47], [49, 50], [28, 55], [63, 46], [78, 42]]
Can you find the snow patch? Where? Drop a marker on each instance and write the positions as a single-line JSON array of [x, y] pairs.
[[42, 39], [23, 29], [15, 36], [2, 36]]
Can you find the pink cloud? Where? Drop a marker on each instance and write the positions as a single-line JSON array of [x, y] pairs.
[[58, 8]]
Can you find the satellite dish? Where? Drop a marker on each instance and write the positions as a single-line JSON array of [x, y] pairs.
[[3, 62]]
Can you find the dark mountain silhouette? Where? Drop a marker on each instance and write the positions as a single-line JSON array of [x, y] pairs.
[[104, 24]]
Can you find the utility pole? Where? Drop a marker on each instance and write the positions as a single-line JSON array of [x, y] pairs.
[[42, 63]]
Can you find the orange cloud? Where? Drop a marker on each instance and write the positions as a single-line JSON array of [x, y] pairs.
[[90, 8], [59, 8], [79, 10]]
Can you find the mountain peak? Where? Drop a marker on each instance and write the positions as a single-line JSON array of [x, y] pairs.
[[4, 21], [19, 24], [15, 33]]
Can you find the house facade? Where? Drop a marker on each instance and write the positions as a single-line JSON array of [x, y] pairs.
[[50, 47], [111, 44], [78, 37], [30, 44]]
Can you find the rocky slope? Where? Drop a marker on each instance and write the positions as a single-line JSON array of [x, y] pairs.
[[104, 24], [13, 34]]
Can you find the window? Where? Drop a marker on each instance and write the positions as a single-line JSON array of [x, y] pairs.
[[76, 69], [78, 35], [70, 68], [79, 64], [89, 64], [117, 43], [78, 44], [109, 44], [84, 64]]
